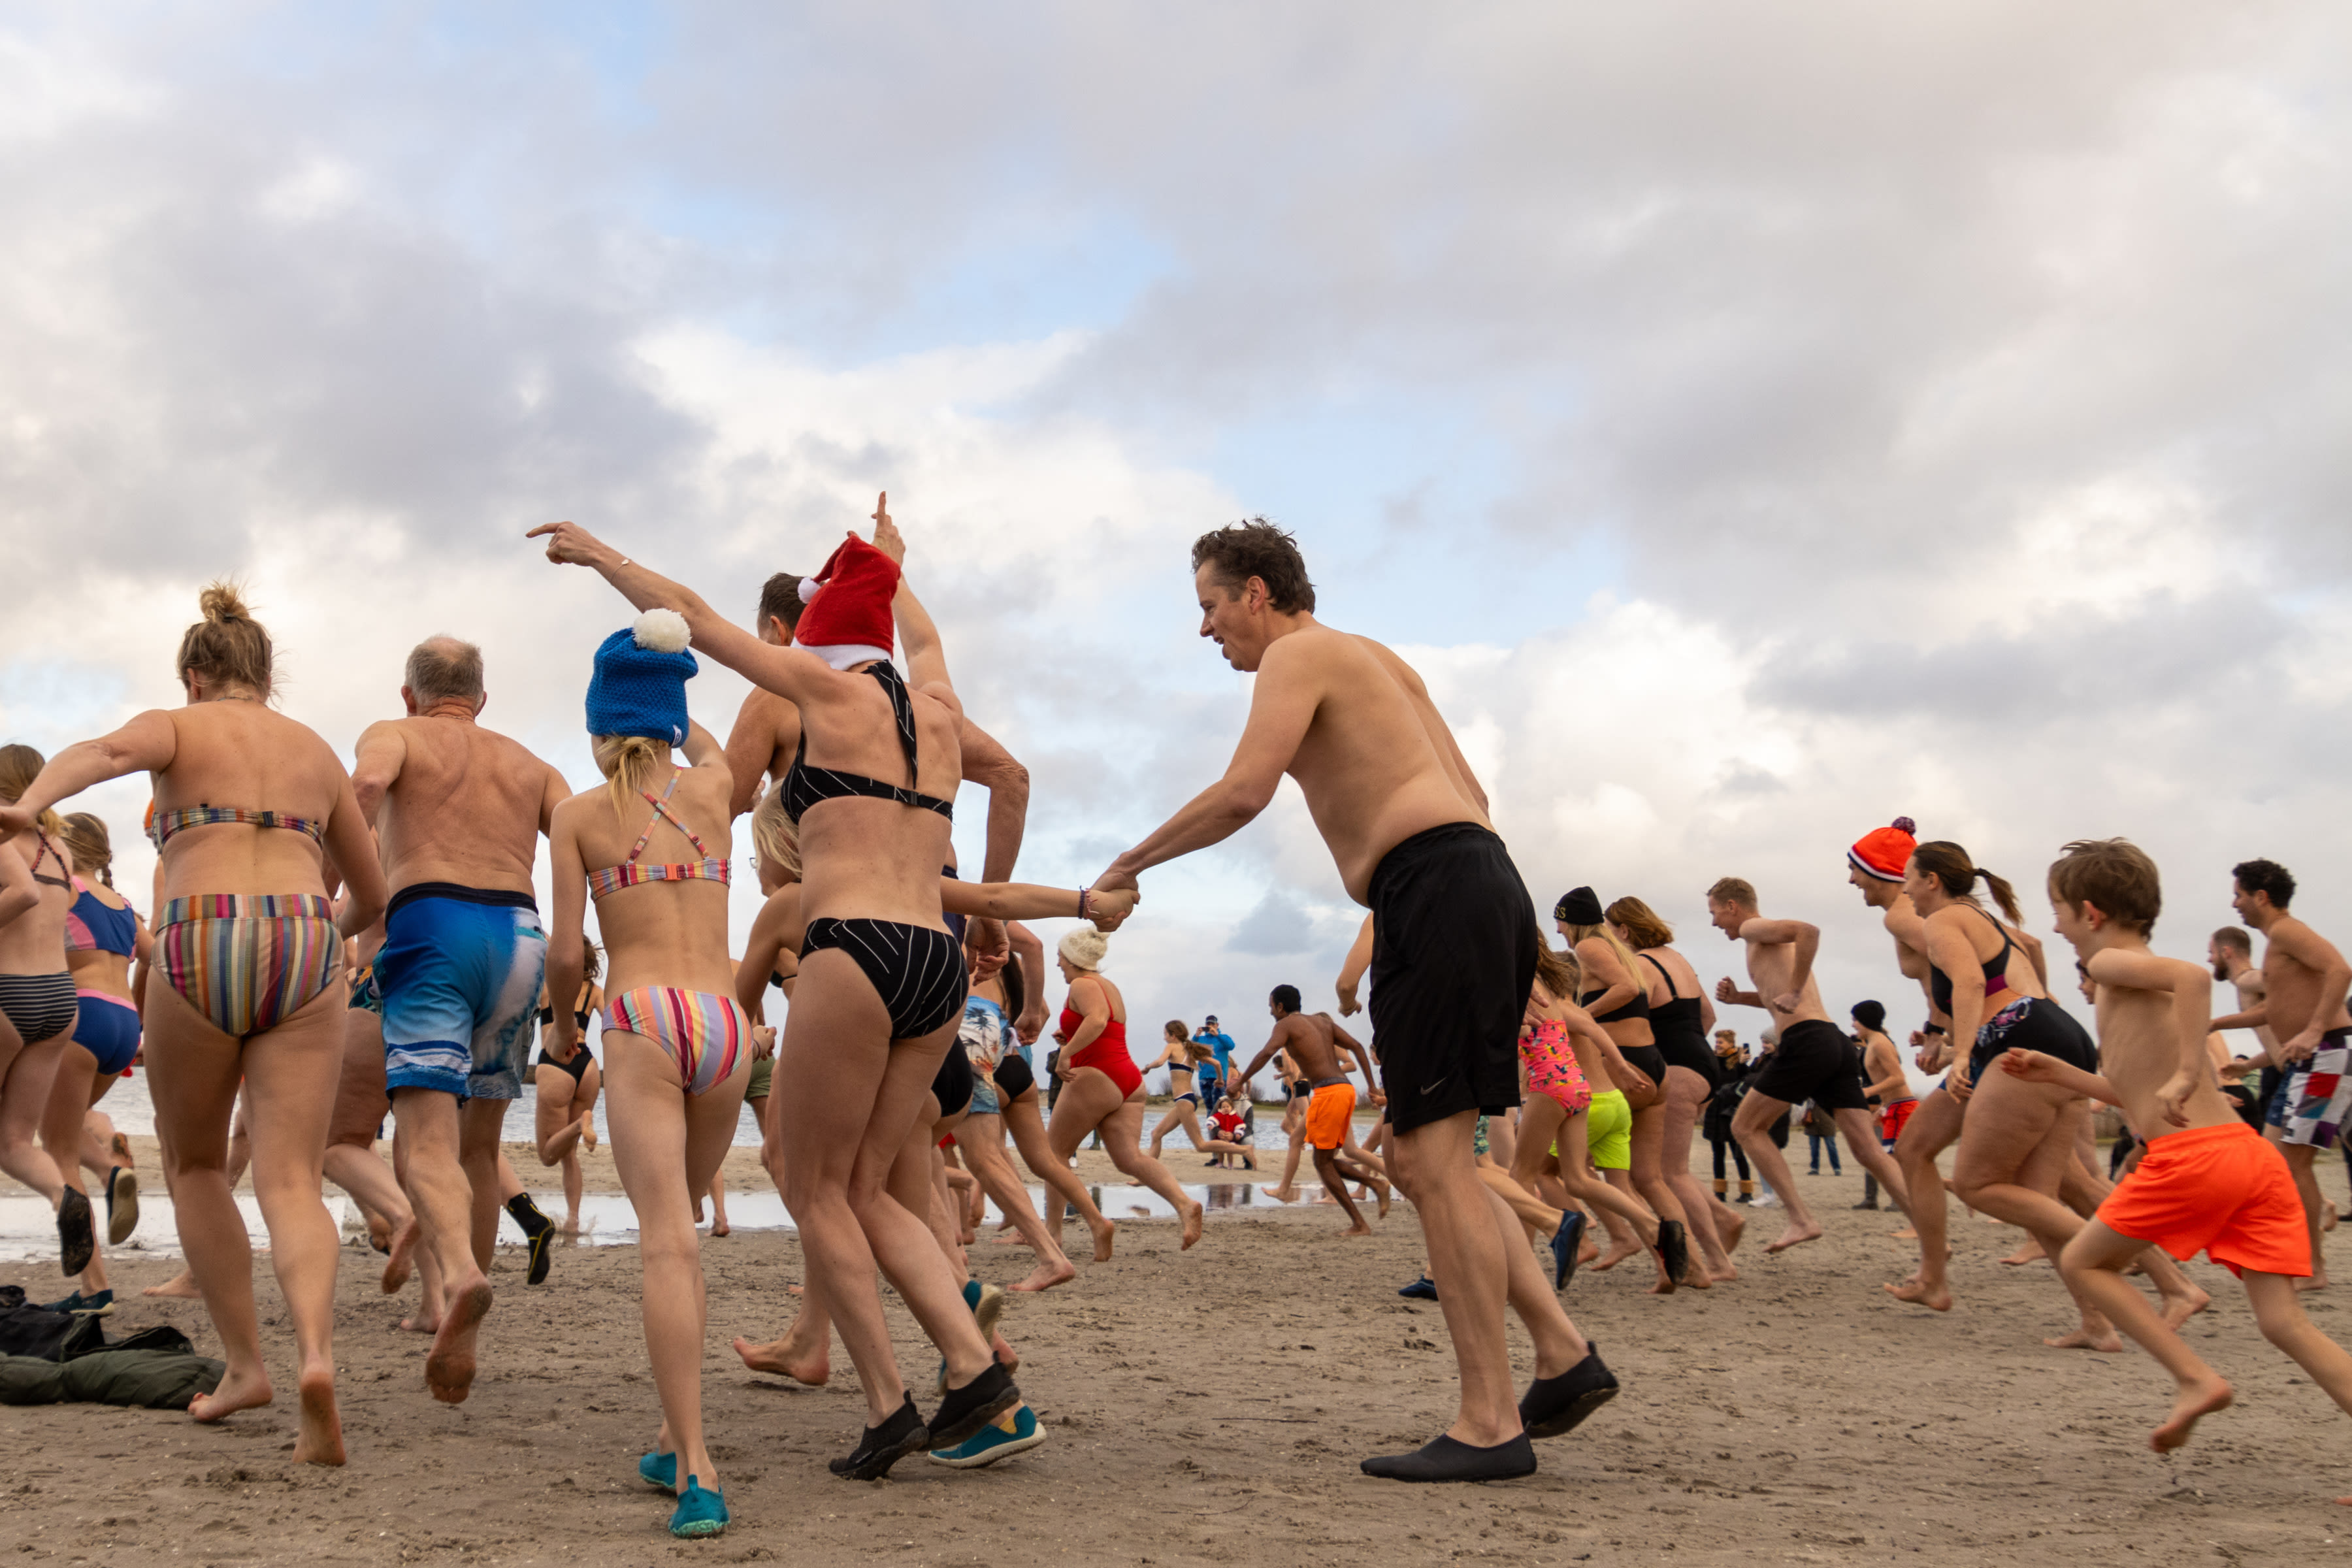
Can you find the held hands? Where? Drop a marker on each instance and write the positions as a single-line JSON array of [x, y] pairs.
[[990, 946], [1110, 909], [1378, 1099], [887, 538], [1114, 881], [569, 544]]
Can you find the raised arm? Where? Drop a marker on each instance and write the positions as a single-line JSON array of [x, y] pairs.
[[987, 763], [752, 745], [146, 745], [1282, 706], [790, 672]]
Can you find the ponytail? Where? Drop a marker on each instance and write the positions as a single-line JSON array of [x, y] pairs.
[[19, 766], [630, 762], [1957, 874], [86, 840]]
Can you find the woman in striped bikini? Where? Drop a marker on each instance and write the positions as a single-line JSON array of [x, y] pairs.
[[248, 985], [37, 1006], [677, 1045]]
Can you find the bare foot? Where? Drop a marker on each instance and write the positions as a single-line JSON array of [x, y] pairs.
[[2316, 1282], [2028, 1251], [2178, 1310], [404, 1256], [587, 1130], [2327, 1219], [1939, 1298], [1905, 1234], [1006, 1357], [1386, 1191], [777, 1357], [235, 1393], [1722, 1273], [1049, 1273], [119, 1147], [2201, 1398], [1618, 1252], [1107, 1232], [1728, 1229], [1009, 1238], [449, 1367], [379, 1234], [1586, 1251], [1281, 1194], [321, 1438], [1193, 1213], [1795, 1236], [421, 1322], [719, 1226], [182, 1285], [2084, 1339]]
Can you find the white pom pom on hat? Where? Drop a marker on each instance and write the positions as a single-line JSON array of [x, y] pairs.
[[807, 590], [664, 631]]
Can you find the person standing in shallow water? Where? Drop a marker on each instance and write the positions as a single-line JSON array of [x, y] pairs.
[[1454, 956]]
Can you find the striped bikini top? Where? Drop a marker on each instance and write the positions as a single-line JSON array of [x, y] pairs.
[[630, 872], [806, 786], [168, 822], [92, 927]]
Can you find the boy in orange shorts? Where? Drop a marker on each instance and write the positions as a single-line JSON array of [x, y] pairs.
[[2207, 1182], [1316, 1044]]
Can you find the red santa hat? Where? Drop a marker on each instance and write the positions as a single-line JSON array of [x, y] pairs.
[[848, 617], [1883, 852]]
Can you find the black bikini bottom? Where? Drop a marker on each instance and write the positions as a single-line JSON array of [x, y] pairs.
[[918, 972]]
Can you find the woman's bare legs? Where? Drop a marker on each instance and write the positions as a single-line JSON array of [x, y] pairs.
[[668, 1145], [856, 1098], [2015, 1148], [1181, 1114], [290, 1074], [25, 1074], [61, 1139], [982, 1138], [1023, 1120], [1091, 1101], [1649, 1179], [1687, 1098]]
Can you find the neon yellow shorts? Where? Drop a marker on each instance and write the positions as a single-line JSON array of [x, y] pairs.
[[1609, 1131]]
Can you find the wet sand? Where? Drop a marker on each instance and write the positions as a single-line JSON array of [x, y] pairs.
[[1210, 1406]]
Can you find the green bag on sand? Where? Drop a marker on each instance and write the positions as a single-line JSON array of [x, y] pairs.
[[154, 1368]]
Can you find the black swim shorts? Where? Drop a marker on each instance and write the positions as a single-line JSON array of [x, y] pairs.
[[1454, 957], [1814, 1061]]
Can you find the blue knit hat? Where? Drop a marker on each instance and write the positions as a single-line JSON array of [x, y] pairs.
[[639, 684]]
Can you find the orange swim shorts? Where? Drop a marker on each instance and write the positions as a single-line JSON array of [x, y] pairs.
[[1892, 1119], [1328, 1113], [2223, 1191]]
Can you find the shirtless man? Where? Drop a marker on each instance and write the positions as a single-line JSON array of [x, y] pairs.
[[1812, 1061], [1874, 864], [2304, 983], [458, 810], [767, 736], [1314, 1043], [1406, 823], [2232, 953]]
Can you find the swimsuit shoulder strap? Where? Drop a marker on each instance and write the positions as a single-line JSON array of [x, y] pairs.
[[659, 815], [1662, 974], [902, 707], [49, 849], [2001, 958], [662, 810]]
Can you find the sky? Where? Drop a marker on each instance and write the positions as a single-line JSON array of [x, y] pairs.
[[1756, 421]]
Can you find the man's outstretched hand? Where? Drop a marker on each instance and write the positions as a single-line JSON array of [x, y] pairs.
[[569, 544]]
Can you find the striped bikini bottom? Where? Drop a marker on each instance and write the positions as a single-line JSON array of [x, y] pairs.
[[705, 1036], [249, 962]]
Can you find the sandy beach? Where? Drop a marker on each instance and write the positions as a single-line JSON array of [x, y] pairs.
[[1210, 1406]]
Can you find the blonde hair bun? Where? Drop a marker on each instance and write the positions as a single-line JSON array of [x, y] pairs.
[[223, 601], [1084, 948]]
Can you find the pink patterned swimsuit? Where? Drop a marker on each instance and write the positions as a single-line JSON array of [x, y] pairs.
[[1551, 1066]]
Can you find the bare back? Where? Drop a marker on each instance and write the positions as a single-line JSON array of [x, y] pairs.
[[466, 805], [237, 753], [1307, 1037], [1376, 762], [869, 858]]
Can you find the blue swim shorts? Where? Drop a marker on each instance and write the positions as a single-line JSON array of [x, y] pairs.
[[459, 973]]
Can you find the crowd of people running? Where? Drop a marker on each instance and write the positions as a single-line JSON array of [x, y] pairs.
[[330, 947]]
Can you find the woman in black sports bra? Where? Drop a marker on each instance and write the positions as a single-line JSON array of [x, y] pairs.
[[1680, 1016], [881, 986], [1619, 1000], [2017, 1144], [566, 1091]]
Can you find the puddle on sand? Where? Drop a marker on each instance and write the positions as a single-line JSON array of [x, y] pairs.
[[28, 1230]]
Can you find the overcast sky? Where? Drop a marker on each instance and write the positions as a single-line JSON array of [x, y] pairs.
[[1756, 421]]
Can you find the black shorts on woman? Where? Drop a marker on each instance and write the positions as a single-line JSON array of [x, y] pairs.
[[1454, 957]]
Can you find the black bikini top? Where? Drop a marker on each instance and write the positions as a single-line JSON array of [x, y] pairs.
[[1679, 1013], [49, 850], [806, 786], [1996, 973], [1639, 1008]]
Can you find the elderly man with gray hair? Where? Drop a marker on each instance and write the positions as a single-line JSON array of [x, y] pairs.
[[458, 812]]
